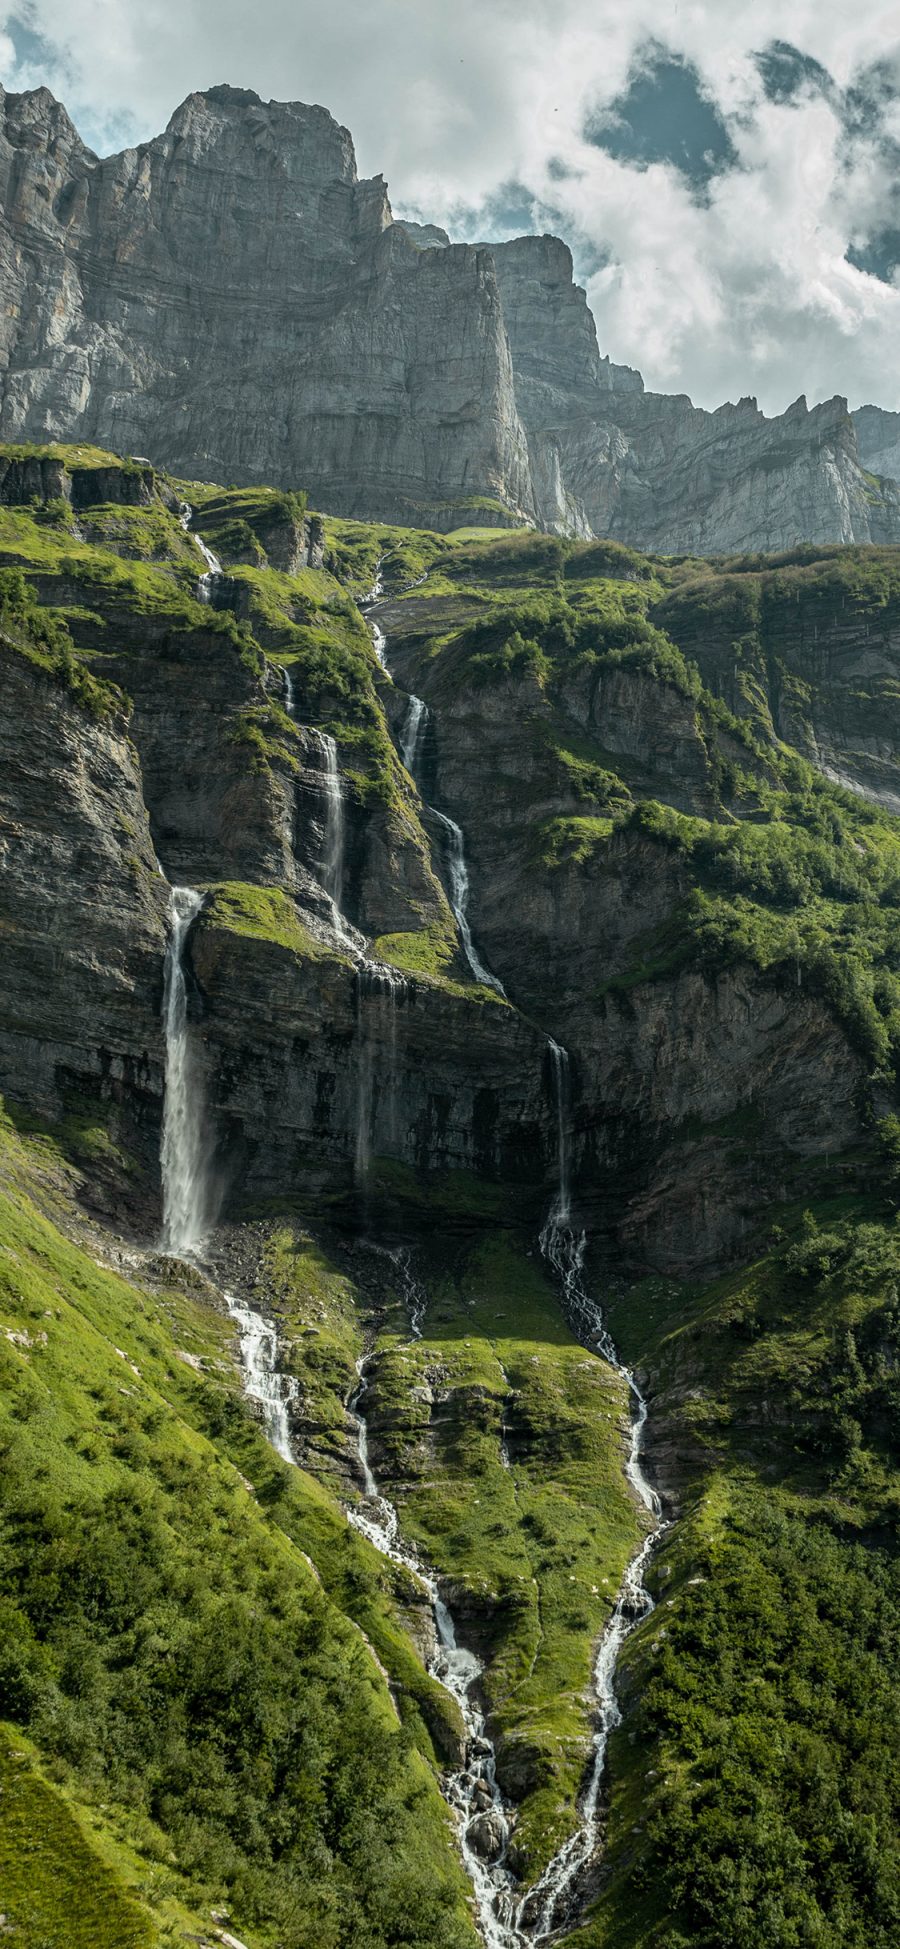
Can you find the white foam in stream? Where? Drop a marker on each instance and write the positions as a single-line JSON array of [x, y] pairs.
[[271, 1390], [213, 565], [554, 1898], [471, 1790]]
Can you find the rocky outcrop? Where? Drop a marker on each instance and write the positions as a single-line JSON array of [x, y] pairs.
[[675, 1074], [657, 472], [321, 1076], [232, 300], [811, 657]]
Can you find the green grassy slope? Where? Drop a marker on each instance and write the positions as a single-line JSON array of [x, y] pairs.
[[534, 1551], [168, 1644]]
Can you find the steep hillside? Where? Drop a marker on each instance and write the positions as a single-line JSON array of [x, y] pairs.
[[535, 977]]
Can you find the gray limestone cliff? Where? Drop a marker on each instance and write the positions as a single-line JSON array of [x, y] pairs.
[[878, 439], [232, 300]]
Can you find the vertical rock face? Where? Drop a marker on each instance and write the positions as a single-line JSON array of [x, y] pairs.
[[878, 439], [231, 299], [79, 891]]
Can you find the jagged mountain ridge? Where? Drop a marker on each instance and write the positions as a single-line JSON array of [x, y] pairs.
[[231, 299]]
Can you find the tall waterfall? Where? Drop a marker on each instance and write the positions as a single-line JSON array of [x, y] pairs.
[[549, 1904], [187, 1204], [184, 1175], [333, 824]]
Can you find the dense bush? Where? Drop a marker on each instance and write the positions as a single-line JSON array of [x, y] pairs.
[[776, 1704], [161, 1649]]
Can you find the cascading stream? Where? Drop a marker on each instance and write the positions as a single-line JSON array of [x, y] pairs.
[[213, 565], [378, 642], [481, 1815], [471, 1790], [478, 1807], [554, 1897], [264, 1383]]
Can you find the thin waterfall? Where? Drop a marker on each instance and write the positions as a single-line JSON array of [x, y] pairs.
[[182, 1158], [552, 1901], [412, 739], [379, 988], [458, 878], [331, 871], [482, 1817]]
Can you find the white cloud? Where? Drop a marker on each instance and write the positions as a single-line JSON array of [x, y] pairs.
[[748, 294]]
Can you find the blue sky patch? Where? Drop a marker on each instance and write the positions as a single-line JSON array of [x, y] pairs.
[[663, 116]]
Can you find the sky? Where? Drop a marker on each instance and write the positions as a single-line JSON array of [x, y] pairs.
[[727, 175]]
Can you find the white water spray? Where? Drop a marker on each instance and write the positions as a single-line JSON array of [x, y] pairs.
[[184, 1177], [553, 1899]]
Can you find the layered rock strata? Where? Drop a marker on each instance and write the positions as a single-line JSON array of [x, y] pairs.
[[232, 300]]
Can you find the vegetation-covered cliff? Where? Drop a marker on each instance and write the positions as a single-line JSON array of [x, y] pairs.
[[669, 786]]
